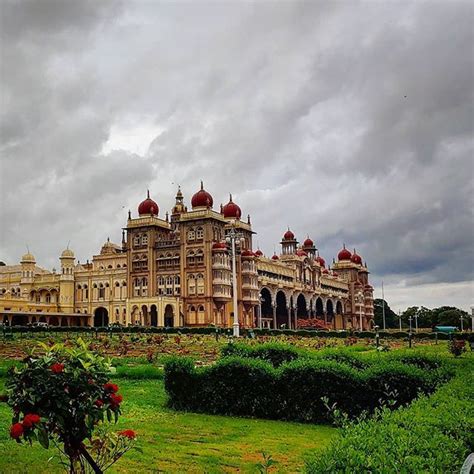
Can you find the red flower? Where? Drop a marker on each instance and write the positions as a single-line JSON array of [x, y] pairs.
[[30, 420], [130, 434], [57, 368], [16, 430], [115, 400], [111, 387], [99, 403]]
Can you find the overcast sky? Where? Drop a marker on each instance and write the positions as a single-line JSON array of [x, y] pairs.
[[351, 122]]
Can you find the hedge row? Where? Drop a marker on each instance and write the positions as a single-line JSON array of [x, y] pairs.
[[434, 434], [245, 386], [278, 353], [244, 332]]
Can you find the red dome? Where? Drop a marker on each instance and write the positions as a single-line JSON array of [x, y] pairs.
[[321, 261], [258, 253], [308, 243], [202, 198], [148, 206], [301, 253], [247, 253], [232, 210], [288, 235], [335, 274], [219, 246], [356, 258], [344, 254], [275, 257], [325, 271]]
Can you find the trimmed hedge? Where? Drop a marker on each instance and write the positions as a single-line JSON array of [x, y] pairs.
[[248, 386], [434, 434], [245, 332], [274, 353]]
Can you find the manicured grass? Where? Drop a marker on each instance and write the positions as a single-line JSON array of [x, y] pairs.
[[181, 442]]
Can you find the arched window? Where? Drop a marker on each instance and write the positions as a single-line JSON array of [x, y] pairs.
[[191, 285], [199, 233], [200, 284], [199, 259], [191, 234], [145, 239]]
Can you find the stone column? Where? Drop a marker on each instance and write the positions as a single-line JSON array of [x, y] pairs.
[[274, 316]]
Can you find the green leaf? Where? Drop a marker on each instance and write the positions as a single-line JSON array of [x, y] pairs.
[[43, 438], [109, 415]]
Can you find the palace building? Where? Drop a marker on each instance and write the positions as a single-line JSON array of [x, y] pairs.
[[177, 271]]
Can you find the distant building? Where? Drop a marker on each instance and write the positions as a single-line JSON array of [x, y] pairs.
[[177, 271]]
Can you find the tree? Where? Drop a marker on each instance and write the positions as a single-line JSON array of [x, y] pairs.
[[391, 319], [424, 316]]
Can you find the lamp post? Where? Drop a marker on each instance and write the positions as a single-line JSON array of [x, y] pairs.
[[400, 319], [409, 333], [261, 299], [231, 238], [360, 300]]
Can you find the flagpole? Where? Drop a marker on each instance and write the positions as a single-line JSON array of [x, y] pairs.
[[383, 308]]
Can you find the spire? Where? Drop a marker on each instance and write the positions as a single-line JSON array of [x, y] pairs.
[[108, 239], [167, 216], [230, 197], [129, 214], [202, 185], [148, 194], [222, 208], [248, 219]]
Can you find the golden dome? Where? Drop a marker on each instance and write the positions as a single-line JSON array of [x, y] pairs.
[[28, 258], [68, 253]]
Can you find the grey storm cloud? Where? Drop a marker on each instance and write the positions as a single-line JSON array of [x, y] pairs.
[[348, 121]]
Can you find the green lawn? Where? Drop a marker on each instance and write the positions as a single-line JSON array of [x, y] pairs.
[[181, 442]]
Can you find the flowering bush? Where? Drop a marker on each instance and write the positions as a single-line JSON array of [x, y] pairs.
[[457, 347], [62, 397], [312, 324]]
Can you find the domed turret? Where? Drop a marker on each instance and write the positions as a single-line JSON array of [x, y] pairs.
[[258, 253], [148, 207], [275, 257], [232, 210], [321, 261], [288, 235], [202, 198], [28, 258], [308, 242], [344, 254], [356, 258], [67, 253]]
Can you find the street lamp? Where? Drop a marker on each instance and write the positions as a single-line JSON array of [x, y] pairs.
[[261, 299], [409, 333], [360, 300], [233, 235]]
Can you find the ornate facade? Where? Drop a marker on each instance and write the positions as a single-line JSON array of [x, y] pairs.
[[177, 271]]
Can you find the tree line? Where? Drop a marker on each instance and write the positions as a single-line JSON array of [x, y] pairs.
[[427, 318]]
